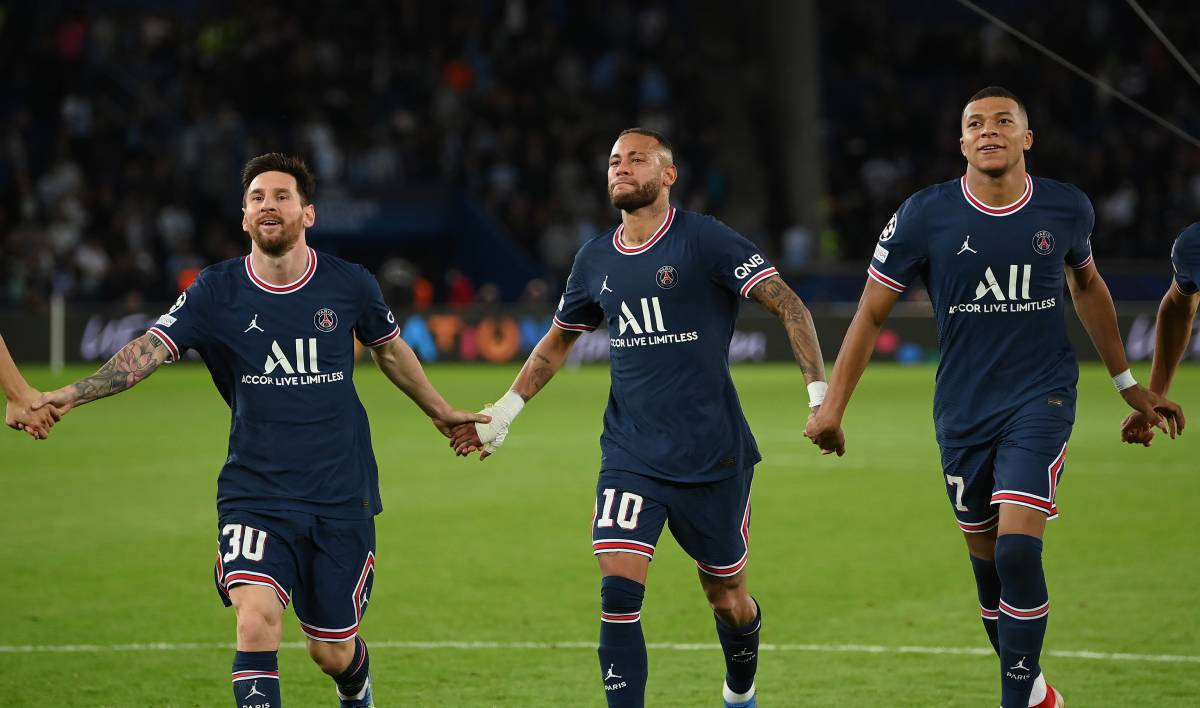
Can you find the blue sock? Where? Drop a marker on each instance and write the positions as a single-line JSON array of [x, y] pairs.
[[623, 664], [741, 651], [987, 583], [352, 681], [256, 679], [1024, 607]]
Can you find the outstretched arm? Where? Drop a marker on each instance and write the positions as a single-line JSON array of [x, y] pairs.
[[782, 301], [1094, 305], [543, 363], [398, 362], [825, 428], [1173, 328], [136, 361], [18, 413]]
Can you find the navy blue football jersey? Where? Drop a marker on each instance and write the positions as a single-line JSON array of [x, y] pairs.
[[996, 279], [670, 306], [1185, 258], [283, 359]]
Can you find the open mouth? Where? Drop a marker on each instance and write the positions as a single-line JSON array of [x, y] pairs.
[[989, 149], [269, 222]]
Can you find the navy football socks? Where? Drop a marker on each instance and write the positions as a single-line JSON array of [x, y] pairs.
[[623, 664], [987, 583], [740, 645], [1024, 607], [352, 681], [256, 679]]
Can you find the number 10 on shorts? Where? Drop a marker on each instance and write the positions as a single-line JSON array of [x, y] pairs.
[[627, 511]]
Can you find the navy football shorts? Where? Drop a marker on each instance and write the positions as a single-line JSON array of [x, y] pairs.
[[325, 566], [710, 521], [1022, 466]]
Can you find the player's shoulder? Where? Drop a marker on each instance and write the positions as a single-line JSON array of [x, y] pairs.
[[1188, 241], [221, 275], [1045, 188], [934, 197], [692, 222], [341, 266]]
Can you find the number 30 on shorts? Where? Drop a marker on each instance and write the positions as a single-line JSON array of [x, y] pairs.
[[627, 510], [244, 541]]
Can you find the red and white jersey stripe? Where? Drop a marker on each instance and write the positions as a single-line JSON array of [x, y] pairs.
[[1013, 208]]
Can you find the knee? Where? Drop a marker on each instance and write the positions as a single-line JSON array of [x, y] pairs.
[[257, 627], [725, 599], [332, 657], [621, 596], [1017, 555]]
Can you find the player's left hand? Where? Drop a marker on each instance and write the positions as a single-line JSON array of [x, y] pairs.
[[1165, 415], [1137, 430], [19, 414], [449, 421], [826, 433]]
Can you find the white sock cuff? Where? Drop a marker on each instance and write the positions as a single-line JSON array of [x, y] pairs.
[[1038, 694], [731, 697]]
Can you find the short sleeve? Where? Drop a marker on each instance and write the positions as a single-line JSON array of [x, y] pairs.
[[1185, 259], [739, 264], [900, 253], [577, 311], [376, 324], [1080, 254], [185, 325]]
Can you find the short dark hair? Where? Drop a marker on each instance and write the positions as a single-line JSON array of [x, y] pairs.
[[649, 133], [306, 183], [998, 92]]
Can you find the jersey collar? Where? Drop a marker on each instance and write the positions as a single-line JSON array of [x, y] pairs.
[[662, 231], [998, 211], [290, 287]]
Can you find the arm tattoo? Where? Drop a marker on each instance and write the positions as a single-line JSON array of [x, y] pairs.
[[134, 362], [776, 296], [541, 369]]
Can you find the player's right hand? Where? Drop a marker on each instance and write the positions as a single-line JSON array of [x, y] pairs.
[[21, 414], [489, 435], [826, 433]]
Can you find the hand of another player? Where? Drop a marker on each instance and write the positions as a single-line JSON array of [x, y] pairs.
[[1165, 415], [1136, 429], [464, 440], [826, 433], [449, 421], [20, 414]]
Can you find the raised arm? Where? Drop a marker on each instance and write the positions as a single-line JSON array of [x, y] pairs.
[[18, 413], [398, 362], [825, 427], [543, 363], [128, 367], [782, 301], [1094, 305]]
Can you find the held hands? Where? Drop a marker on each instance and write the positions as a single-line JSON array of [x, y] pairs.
[[825, 432], [452, 419], [1150, 411], [26, 412], [489, 434]]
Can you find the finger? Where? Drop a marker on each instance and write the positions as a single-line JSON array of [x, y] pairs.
[[479, 418], [484, 455], [1180, 417]]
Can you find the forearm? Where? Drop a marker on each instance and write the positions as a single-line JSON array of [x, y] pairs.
[[128, 367], [398, 362], [852, 361], [782, 301], [543, 363], [1172, 332], [1094, 305], [14, 385]]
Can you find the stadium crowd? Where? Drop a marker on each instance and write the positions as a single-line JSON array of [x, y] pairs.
[[122, 127]]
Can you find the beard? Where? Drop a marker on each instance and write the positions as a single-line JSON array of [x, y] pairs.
[[278, 243], [643, 195]]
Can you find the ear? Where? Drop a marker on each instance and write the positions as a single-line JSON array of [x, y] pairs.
[[310, 215], [962, 146], [670, 174], [1028, 139], [245, 224]]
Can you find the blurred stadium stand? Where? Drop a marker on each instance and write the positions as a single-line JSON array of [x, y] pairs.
[[460, 146]]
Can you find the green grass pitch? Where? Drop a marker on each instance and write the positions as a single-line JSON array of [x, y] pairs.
[[109, 529]]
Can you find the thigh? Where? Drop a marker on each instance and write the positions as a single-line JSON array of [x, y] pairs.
[[628, 515], [1030, 462], [711, 522], [337, 577], [256, 548], [969, 474]]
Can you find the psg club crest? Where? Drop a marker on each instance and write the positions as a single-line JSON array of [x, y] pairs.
[[325, 319], [1043, 242], [666, 277]]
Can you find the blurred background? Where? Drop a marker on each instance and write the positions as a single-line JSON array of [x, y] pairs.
[[460, 147]]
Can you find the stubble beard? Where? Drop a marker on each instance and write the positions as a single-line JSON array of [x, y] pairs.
[[279, 244], [645, 195]]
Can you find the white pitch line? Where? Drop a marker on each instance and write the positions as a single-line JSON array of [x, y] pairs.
[[662, 646]]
